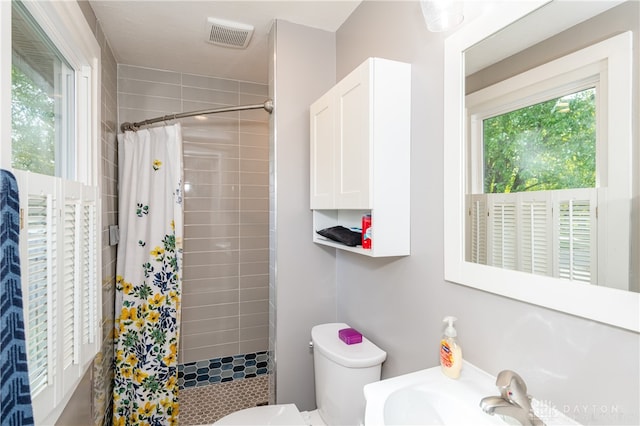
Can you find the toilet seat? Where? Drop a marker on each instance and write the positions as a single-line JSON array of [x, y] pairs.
[[280, 414]]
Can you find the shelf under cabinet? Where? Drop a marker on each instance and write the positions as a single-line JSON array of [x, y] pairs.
[[319, 239], [389, 240]]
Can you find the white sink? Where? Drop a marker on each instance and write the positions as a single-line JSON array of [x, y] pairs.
[[428, 397]]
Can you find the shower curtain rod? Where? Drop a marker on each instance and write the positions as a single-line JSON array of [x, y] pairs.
[[267, 106]]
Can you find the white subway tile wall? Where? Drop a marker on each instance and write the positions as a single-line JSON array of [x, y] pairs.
[[225, 306]]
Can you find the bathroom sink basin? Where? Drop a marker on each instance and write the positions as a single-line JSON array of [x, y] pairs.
[[428, 397], [415, 406]]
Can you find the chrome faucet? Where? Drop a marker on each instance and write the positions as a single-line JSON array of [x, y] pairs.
[[513, 400]]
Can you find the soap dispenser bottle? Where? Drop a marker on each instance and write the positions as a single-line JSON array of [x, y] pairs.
[[450, 351]]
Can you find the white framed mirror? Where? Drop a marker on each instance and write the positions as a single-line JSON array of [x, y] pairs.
[[503, 31]]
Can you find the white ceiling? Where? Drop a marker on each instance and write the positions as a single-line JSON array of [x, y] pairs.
[[172, 35]]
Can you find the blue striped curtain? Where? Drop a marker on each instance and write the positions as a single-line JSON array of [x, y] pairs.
[[14, 374]]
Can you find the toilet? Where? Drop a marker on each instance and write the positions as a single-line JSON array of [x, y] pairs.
[[341, 371]]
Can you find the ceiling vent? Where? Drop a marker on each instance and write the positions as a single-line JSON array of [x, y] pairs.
[[228, 33]]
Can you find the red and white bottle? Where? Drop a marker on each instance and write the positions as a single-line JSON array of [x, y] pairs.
[[366, 231]]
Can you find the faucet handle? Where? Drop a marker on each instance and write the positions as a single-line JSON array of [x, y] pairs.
[[513, 388]]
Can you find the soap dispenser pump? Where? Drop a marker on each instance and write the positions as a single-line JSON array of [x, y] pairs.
[[450, 351]]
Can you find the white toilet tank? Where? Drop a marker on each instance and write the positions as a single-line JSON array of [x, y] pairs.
[[341, 371]]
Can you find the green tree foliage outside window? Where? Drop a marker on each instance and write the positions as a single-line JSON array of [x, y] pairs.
[[33, 125], [546, 146]]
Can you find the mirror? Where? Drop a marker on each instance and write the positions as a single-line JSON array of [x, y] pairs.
[[511, 61]]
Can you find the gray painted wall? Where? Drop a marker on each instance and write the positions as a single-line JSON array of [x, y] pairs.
[[588, 370], [302, 273]]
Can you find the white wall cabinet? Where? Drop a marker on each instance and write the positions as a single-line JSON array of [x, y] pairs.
[[360, 156]]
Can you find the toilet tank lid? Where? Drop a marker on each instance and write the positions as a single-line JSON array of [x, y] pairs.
[[360, 355]]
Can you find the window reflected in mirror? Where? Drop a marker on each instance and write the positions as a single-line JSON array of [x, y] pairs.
[[546, 146], [541, 183]]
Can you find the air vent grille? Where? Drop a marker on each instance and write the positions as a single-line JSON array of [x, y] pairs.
[[229, 33]]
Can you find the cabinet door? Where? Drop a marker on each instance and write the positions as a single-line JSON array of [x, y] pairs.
[[322, 153], [352, 140]]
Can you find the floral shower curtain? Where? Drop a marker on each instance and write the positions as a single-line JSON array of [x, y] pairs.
[[148, 281]]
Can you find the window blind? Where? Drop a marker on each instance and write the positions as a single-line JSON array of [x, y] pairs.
[[89, 272], [71, 276], [478, 229], [40, 273], [576, 236], [544, 232], [535, 218], [503, 224], [59, 245]]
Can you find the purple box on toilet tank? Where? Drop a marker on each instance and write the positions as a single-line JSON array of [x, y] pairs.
[[350, 336]]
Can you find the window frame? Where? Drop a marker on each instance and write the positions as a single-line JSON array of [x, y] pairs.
[[65, 25], [608, 60], [503, 98]]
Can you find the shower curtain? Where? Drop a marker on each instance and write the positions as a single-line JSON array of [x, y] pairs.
[[148, 277]]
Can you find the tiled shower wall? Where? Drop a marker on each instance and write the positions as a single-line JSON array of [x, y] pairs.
[[225, 307]]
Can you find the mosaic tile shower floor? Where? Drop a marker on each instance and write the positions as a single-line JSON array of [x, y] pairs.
[[202, 405]]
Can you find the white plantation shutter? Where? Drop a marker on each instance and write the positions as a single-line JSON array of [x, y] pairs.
[[575, 215], [478, 228], [40, 272], [535, 232], [545, 232], [89, 279], [70, 308], [71, 255], [59, 252], [502, 231], [40, 260]]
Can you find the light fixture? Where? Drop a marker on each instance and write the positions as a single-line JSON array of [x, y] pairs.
[[441, 15]]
